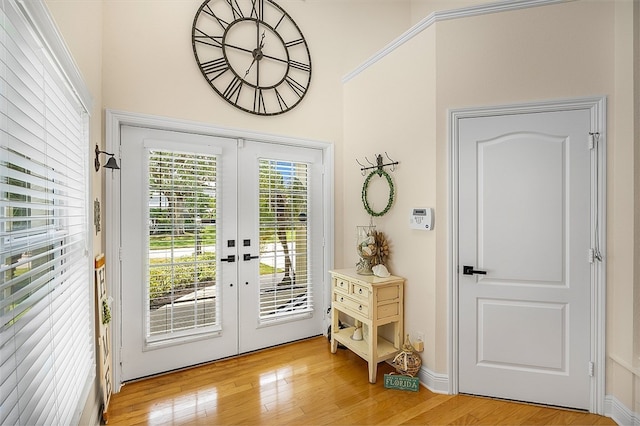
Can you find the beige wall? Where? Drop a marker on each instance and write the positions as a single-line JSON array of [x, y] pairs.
[[573, 49], [636, 78], [149, 65], [533, 54], [136, 56], [391, 108], [623, 379]]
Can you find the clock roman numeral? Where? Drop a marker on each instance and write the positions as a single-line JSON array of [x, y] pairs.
[[258, 102], [234, 88], [294, 42], [235, 7], [214, 69], [215, 41], [300, 66], [281, 102], [257, 9], [275, 27], [224, 24], [295, 86]]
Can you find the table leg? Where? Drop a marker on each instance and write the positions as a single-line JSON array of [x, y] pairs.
[[373, 354], [334, 329]]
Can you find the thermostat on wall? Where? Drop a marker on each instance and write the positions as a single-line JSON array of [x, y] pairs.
[[421, 219]]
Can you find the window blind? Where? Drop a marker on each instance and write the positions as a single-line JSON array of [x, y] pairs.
[[46, 355], [183, 295], [285, 288]]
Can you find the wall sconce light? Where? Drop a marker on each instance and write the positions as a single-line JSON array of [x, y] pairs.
[[111, 162]]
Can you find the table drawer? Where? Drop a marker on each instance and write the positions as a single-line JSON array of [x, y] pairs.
[[351, 304], [342, 285], [360, 292]]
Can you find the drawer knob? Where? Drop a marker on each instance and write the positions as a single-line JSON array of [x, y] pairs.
[[360, 307], [342, 299], [360, 291]]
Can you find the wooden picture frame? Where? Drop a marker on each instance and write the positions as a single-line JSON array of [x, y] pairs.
[[103, 318]]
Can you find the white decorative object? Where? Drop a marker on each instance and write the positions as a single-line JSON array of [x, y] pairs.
[[357, 334], [381, 271]]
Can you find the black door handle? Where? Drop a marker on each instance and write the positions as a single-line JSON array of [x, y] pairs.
[[247, 256], [468, 270], [231, 258]]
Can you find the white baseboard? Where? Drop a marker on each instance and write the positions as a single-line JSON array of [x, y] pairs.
[[619, 412], [435, 382], [439, 383]]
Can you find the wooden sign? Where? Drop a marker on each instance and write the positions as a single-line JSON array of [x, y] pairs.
[[406, 383]]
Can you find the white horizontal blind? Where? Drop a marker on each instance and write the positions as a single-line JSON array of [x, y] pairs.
[[285, 288], [45, 308], [183, 295]]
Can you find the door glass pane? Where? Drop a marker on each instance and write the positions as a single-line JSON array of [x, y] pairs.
[[183, 297], [285, 289]]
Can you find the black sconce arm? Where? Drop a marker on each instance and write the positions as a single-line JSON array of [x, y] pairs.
[[111, 162]]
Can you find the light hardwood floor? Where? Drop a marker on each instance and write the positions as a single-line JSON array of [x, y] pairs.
[[304, 384]]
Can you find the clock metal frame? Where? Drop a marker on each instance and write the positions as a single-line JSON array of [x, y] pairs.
[[253, 54]]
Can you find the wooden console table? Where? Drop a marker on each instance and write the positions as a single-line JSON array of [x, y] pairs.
[[372, 301]]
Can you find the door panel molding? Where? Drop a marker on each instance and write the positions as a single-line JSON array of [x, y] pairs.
[[114, 120], [543, 326], [502, 205], [597, 108]]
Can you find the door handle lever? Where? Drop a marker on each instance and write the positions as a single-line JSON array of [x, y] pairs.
[[231, 258], [468, 270], [247, 256]]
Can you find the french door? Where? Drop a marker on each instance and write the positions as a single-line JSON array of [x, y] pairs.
[[280, 244], [221, 247]]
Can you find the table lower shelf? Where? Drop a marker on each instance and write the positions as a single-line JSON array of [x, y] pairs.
[[386, 350]]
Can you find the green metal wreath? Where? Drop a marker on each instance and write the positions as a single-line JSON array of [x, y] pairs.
[[365, 187]]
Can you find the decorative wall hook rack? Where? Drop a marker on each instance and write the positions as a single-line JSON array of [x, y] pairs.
[[379, 163], [378, 169]]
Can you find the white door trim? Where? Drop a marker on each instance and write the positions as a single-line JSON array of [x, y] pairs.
[[113, 122], [597, 107]]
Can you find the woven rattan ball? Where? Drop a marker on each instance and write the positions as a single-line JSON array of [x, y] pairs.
[[407, 363]]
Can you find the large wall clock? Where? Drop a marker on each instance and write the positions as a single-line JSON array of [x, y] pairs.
[[252, 53]]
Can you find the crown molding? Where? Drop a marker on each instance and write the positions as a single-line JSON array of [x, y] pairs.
[[445, 15]]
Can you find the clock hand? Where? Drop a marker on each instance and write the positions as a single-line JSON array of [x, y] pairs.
[[291, 63], [243, 49], [274, 58], [258, 33], [249, 69], [257, 54]]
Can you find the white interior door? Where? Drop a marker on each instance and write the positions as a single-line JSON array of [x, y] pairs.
[[524, 233], [221, 249]]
